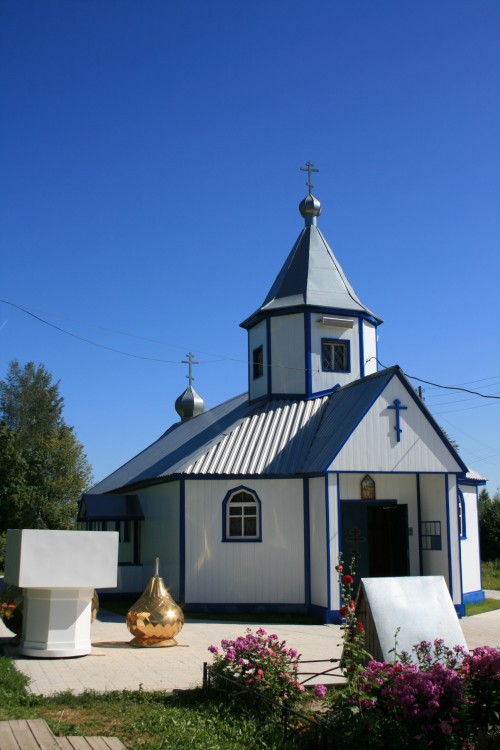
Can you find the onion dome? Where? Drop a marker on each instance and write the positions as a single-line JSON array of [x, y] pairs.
[[189, 404], [310, 209]]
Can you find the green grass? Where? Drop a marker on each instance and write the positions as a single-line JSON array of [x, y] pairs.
[[479, 608], [145, 721], [491, 575]]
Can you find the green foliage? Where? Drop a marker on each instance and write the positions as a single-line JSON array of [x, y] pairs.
[[489, 525], [488, 605], [43, 467], [490, 571]]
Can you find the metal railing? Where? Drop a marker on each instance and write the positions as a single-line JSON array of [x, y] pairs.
[[293, 722]]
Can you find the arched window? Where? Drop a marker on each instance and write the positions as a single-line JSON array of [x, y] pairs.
[[461, 515], [241, 518]]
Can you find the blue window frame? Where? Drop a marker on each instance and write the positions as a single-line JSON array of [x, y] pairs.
[[335, 355], [462, 526], [258, 362], [241, 516]]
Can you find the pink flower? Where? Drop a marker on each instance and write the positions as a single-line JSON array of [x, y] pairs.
[[446, 727], [213, 649], [319, 691]]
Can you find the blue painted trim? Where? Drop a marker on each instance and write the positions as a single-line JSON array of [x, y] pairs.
[[462, 516], [397, 406], [182, 540], [472, 597], [259, 315], [328, 550], [472, 482], [361, 334], [460, 610], [328, 340], [419, 521], [308, 353], [225, 503], [329, 616], [307, 543], [448, 534], [269, 358], [384, 471]]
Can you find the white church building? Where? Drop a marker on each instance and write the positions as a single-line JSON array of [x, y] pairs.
[[250, 504]]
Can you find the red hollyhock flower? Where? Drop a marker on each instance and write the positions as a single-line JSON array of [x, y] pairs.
[[343, 611], [339, 568], [361, 627], [347, 580]]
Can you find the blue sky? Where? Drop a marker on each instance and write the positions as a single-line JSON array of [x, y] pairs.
[[149, 190]]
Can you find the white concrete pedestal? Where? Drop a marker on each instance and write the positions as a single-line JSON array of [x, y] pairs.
[[58, 572]]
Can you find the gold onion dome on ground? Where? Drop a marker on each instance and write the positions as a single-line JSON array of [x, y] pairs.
[[155, 619]]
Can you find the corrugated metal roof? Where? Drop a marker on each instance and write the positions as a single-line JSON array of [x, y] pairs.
[[474, 476], [312, 277], [273, 441], [267, 438]]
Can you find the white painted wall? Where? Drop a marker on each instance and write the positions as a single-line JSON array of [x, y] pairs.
[[317, 542], [433, 508], [456, 572], [245, 572], [400, 487], [370, 347], [374, 444], [333, 538], [160, 533], [288, 361], [257, 337], [322, 381], [471, 566]]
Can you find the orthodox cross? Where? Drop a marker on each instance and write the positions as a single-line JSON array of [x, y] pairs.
[[190, 362], [397, 406], [309, 169], [355, 537]]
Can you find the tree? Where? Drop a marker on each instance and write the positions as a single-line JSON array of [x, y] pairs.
[[43, 467], [489, 525]]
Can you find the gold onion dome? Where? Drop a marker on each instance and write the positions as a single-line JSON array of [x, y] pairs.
[[155, 618], [310, 208]]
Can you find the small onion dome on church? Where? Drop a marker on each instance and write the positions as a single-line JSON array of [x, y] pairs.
[[189, 404], [310, 208]]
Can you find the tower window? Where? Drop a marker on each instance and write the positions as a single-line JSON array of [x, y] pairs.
[[241, 520], [258, 362], [335, 355]]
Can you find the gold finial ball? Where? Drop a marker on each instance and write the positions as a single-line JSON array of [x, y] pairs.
[[310, 207], [11, 608], [155, 619]]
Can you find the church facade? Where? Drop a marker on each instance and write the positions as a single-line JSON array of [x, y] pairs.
[[251, 504]]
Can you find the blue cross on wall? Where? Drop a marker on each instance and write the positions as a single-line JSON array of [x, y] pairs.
[[397, 405]]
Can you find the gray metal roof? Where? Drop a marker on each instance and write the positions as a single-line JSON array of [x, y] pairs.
[[311, 277], [277, 437]]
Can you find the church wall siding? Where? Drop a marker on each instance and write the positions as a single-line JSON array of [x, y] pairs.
[[270, 571], [471, 569], [374, 444], [433, 503], [257, 337], [454, 539], [160, 533], [369, 347], [333, 539], [323, 381], [318, 542], [288, 372]]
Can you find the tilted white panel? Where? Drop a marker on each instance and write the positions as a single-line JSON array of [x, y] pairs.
[[471, 567], [317, 542], [288, 364], [374, 444], [245, 572]]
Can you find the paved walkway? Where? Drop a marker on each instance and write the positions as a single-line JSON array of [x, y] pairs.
[[115, 665]]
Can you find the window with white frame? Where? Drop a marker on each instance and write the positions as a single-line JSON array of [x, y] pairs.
[[241, 516], [335, 355]]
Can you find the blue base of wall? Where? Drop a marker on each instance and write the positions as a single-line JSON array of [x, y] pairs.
[[474, 596], [460, 610]]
